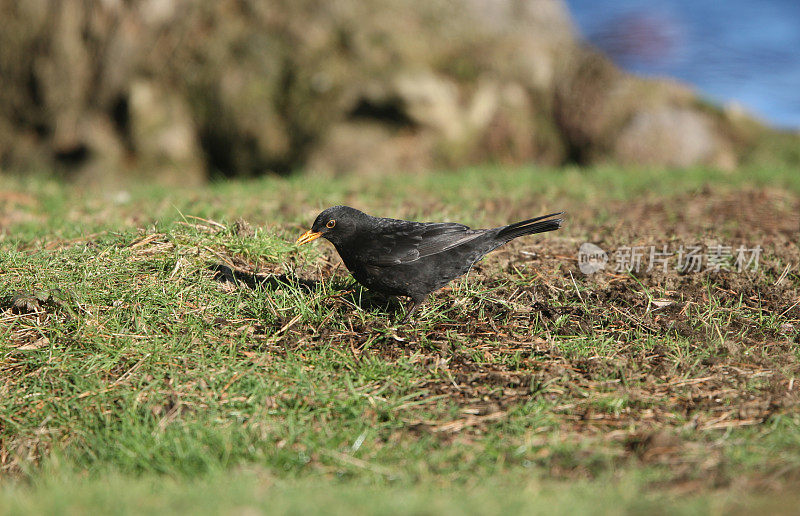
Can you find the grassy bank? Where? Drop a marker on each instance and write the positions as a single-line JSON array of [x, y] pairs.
[[176, 344]]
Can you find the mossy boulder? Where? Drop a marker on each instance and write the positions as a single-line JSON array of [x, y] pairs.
[[177, 91]]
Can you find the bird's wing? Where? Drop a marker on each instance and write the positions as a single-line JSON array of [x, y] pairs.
[[404, 242]]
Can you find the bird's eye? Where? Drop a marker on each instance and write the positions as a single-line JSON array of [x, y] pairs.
[[330, 224]]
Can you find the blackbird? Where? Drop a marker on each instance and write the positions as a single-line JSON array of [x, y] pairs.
[[403, 258]]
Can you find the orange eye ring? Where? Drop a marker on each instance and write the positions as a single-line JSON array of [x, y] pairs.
[[330, 224]]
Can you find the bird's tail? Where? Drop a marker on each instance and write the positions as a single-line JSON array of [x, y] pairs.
[[531, 226]]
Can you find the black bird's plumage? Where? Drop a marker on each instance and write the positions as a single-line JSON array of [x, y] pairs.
[[403, 258]]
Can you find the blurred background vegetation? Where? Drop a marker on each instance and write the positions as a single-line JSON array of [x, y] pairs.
[[177, 91]]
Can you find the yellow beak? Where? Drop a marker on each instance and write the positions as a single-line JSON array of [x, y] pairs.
[[307, 237]]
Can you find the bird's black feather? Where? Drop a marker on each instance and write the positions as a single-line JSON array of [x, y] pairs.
[[407, 242]]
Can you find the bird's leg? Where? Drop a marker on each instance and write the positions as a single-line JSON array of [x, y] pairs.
[[412, 307]]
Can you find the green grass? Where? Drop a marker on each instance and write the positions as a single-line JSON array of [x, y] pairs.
[[250, 491], [65, 212], [133, 380]]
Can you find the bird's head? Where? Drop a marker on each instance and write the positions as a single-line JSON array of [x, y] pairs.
[[336, 224]]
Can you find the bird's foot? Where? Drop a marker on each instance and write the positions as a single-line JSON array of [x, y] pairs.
[[413, 306]]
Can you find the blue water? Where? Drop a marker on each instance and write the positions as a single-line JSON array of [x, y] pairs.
[[743, 51]]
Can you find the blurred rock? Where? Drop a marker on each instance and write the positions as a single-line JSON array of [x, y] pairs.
[[177, 91], [675, 137], [162, 135], [369, 148]]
